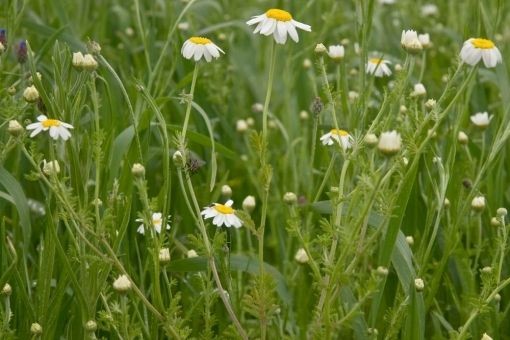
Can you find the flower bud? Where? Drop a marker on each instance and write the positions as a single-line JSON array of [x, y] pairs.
[[303, 115], [36, 329], [249, 204], [257, 107], [226, 191], [398, 68], [241, 126], [419, 284], [430, 104], [320, 48], [424, 40], [77, 60], [178, 159], [497, 297], [446, 203], [93, 47], [301, 256], [31, 94], [371, 140], [487, 270], [307, 63], [419, 90], [336, 52], [353, 95], [495, 222], [138, 170], [6, 290], [410, 240], [164, 255], [402, 109], [91, 326], [191, 254], [122, 284], [462, 138], [15, 128], [502, 212], [250, 121], [51, 168], [410, 42], [290, 198], [382, 271], [486, 336], [2, 48], [478, 203], [11, 90]]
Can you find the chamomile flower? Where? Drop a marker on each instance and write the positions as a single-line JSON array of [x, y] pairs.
[[56, 128], [378, 67], [342, 137], [198, 47], [279, 23], [222, 214], [475, 49], [156, 221]]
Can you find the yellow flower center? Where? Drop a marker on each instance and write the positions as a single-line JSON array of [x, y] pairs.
[[223, 209], [279, 14], [338, 132], [200, 40], [376, 61], [156, 221], [50, 122], [484, 44]]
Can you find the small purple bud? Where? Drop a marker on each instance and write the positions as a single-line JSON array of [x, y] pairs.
[[3, 37], [22, 52]]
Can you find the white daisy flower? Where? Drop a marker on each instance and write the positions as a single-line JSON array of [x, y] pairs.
[[481, 119], [198, 47], [56, 127], [222, 214], [342, 137], [475, 49], [279, 23], [157, 221], [378, 67], [429, 10]]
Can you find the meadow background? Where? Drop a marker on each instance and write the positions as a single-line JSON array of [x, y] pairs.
[[368, 224]]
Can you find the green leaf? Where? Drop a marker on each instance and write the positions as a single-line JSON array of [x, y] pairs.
[[20, 202]]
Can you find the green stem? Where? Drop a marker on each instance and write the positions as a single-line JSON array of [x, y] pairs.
[[190, 101], [265, 112]]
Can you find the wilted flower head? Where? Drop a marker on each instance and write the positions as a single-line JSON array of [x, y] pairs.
[[481, 119], [198, 47], [390, 142], [22, 52], [279, 23], [336, 52], [410, 42], [476, 49]]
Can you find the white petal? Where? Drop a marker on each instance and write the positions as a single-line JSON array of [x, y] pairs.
[[207, 55], [281, 27], [34, 126], [229, 203], [141, 229], [199, 51], [36, 131], [292, 31], [256, 19], [42, 118], [217, 220], [302, 26], [54, 132], [213, 50], [269, 27]]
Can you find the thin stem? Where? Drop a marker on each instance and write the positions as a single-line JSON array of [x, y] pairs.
[[190, 101], [265, 112]]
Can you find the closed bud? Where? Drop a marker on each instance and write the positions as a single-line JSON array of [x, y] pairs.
[[250, 121], [382, 271], [241, 126], [410, 42], [446, 203], [353, 95], [303, 115], [502, 212], [497, 297], [89, 63], [51, 168], [226, 191], [138, 170], [495, 222], [410, 240], [191, 254], [164, 255], [371, 140], [419, 284], [91, 326], [487, 270], [178, 159], [462, 138], [31, 94], [15, 128], [486, 336], [390, 143], [290, 198], [301, 256], [7, 290], [398, 68], [257, 107], [478, 203], [419, 90], [11, 90], [430, 104], [36, 329], [77, 60], [320, 49], [307, 63], [122, 284], [249, 204]]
